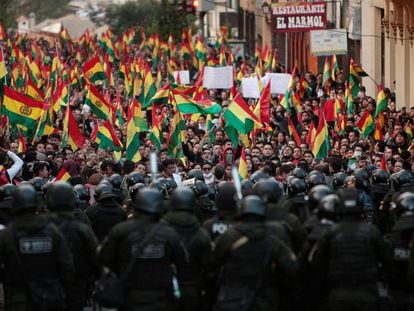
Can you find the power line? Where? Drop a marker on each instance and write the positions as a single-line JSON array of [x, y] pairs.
[[332, 30]]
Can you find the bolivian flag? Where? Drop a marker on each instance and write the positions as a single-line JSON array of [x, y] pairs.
[[106, 137], [33, 91], [3, 69], [21, 110], [243, 172], [382, 101], [60, 97], [239, 116], [321, 144], [366, 124], [97, 102], [71, 134], [63, 175], [21, 148], [185, 104], [93, 70], [155, 134]]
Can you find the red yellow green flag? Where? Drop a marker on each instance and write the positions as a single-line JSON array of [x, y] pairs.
[[321, 144], [71, 134], [3, 69], [63, 175], [97, 102], [22, 110], [93, 70], [243, 172], [366, 124], [106, 137], [382, 101]]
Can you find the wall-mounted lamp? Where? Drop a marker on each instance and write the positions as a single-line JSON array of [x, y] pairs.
[[267, 11]]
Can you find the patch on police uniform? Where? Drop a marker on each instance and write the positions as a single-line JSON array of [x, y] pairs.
[[150, 251], [35, 245]]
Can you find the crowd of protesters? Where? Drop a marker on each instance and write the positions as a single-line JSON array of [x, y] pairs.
[[327, 218]]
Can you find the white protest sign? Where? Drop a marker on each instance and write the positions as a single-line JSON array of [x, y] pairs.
[[184, 76], [279, 82], [218, 77], [250, 88]]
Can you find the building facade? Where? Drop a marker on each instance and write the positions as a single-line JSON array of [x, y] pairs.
[[387, 51]]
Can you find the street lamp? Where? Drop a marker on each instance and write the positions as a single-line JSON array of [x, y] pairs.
[[266, 11]]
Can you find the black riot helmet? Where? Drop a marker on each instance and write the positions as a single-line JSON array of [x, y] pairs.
[[400, 179], [380, 177], [361, 178], [197, 174], [103, 191], [160, 187], [338, 180], [253, 205], [200, 188], [25, 199], [269, 190], [314, 178], [316, 194], [299, 172], [149, 200], [134, 178], [183, 198], [349, 202], [226, 197], [328, 206], [405, 203], [133, 190], [38, 183], [6, 191], [296, 186], [246, 187], [256, 176], [116, 181], [82, 193], [60, 197]]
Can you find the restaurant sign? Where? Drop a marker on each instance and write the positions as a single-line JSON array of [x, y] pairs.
[[298, 17]]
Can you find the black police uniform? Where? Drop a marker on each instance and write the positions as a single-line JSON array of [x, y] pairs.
[[60, 200], [149, 283], [348, 256], [104, 215], [241, 255], [32, 250]]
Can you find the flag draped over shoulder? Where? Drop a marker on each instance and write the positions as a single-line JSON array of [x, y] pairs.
[[97, 102], [366, 124], [22, 111]]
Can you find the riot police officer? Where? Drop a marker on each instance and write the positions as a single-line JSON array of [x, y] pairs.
[[6, 202], [61, 202], [297, 201], [227, 208], [143, 250], [247, 258], [400, 238], [106, 213], [349, 256], [38, 265], [196, 259], [380, 188]]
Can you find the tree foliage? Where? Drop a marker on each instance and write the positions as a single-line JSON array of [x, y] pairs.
[[164, 17]]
